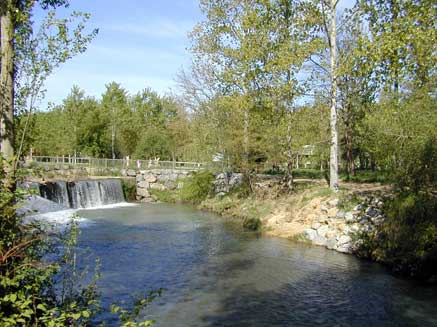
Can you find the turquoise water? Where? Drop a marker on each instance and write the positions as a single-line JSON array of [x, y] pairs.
[[215, 274]]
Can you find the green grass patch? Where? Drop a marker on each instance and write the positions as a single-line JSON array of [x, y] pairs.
[[367, 176], [308, 173], [165, 195], [316, 192]]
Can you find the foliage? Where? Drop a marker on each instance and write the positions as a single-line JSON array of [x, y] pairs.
[[252, 224], [142, 126], [407, 240], [165, 196], [30, 293], [196, 188], [132, 317], [38, 51], [129, 189]]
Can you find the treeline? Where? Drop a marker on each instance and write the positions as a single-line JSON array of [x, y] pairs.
[[142, 126]]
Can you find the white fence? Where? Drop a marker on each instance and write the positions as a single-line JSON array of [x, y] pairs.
[[74, 162]]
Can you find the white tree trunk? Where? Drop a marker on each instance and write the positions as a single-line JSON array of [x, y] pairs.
[[333, 158], [6, 83], [246, 139]]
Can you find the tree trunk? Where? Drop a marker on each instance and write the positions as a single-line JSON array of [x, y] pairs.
[[246, 139], [349, 147], [289, 177], [6, 82], [333, 162]]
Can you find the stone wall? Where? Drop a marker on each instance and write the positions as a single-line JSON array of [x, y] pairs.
[[226, 182], [339, 230], [157, 179]]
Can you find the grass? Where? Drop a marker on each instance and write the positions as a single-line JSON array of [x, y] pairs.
[[367, 176], [249, 210], [316, 192], [165, 195]]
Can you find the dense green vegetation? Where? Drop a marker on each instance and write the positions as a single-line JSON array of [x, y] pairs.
[[142, 126]]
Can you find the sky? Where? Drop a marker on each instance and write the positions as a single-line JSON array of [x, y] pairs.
[[141, 43]]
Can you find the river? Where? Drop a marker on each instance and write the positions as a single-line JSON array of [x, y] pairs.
[[215, 274]]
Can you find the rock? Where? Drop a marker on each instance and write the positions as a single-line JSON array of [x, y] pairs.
[[131, 172], [330, 243], [148, 200], [143, 184], [123, 172], [323, 230], [170, 185], [340, 214], [323, 219], [323, 208], [143, 192], [221, 176], [358, 207], [310, 234], [235, 180], [372, 212], [320, 240], [221, 194], [157, 186], [150, 178], [331, 234], [349, 217], [344, 248], [315, 225], [139, 178], [332, 212], [334, 202], [343, 239]]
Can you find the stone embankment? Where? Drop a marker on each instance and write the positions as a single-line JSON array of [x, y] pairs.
[[226, 182], [342, 230], [156, 179]]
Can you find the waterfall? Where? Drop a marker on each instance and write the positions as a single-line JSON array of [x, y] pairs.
[[83, 194]]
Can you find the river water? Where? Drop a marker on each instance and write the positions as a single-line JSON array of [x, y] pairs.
[[215, 274]]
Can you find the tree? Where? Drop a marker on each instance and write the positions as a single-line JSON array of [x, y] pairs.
[[28, 58], [7, 79], [114, 101]]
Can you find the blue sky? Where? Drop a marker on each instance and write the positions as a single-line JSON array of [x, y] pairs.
[[140, 44]]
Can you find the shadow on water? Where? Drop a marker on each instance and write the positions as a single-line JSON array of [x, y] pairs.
[[216, 275]]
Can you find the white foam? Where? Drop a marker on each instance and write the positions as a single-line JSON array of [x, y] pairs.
[[111, 206]]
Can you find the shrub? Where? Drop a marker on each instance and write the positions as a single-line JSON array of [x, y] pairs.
[[197, 187], [129, 189], [251, 223], [407, 240]]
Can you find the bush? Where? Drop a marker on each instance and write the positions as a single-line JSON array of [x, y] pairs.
[[129, 189], [252, 224], [195, 189], [407, 240]]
